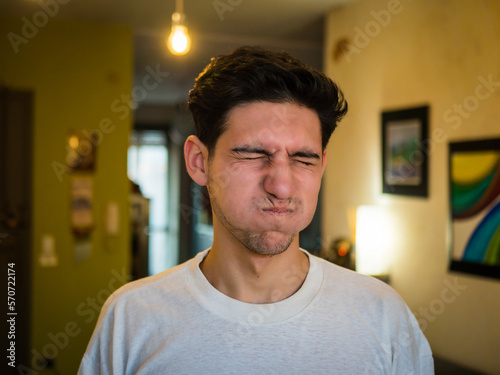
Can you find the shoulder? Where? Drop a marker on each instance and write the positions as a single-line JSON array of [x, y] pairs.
[[357, 290], [347, 277], [157, 281], [145, 293], [373, 304], [136, 308]]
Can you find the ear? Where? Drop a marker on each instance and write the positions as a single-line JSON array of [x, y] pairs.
[[196, 157]]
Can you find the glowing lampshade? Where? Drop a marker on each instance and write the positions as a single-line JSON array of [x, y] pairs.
[[373, 241]]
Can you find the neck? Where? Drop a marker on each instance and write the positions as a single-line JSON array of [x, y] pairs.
[[253, 278]]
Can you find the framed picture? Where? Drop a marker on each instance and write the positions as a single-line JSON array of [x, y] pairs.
[[474, 180], [404, 152]]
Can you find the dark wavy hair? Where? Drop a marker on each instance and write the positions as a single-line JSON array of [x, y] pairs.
[[254, 74]]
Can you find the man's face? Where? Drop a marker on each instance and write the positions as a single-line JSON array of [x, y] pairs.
[[265, 175]]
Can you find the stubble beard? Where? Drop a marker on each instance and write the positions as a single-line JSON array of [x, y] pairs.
[[259, 243]]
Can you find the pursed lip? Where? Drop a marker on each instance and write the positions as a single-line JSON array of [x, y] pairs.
[[273, 211]]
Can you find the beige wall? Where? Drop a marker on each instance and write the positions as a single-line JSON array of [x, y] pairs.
[[413, 53]]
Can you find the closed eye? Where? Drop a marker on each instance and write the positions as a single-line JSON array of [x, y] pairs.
[[251, 153], [305, 162], [307, 158]]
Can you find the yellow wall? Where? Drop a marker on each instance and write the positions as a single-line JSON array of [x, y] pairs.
[[421, 52], [76, 71]]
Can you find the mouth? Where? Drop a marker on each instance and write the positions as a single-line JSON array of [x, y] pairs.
[[277, 211]]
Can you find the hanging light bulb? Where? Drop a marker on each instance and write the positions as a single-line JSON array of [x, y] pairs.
[[179, 42]]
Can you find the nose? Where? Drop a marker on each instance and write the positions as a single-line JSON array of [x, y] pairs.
[[278, 181]]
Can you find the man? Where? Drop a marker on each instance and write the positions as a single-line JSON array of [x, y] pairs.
[[255, 303]]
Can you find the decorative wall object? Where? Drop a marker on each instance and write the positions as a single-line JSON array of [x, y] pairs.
[[82, 221], [475, 207], [81, 151], [404, 152]]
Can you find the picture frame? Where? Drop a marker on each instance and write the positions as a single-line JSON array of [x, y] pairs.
[[474, 190], [405, 158]]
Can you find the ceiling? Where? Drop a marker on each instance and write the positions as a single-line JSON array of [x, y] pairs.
[[216, 27]]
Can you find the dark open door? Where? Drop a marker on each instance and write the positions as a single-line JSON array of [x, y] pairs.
[[15, 226]]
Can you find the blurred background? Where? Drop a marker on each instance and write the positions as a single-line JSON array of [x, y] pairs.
[[93, 190]]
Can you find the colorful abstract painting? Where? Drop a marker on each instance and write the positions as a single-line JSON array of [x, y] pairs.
[[475, 206]]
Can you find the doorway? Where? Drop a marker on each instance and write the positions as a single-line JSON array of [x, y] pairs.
[[150, 167], [16, 108]]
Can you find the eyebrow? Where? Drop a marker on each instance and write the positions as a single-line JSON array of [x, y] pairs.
[[250, 150], [306, 154], [257, 150]]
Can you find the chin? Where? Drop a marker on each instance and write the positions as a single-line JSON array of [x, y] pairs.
[[269, 243]]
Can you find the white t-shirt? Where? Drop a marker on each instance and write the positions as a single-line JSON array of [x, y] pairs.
[[176, 322]]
